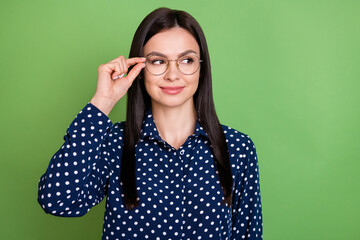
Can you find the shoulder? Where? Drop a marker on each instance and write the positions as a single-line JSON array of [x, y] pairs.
[[237, 139], [241, 148]]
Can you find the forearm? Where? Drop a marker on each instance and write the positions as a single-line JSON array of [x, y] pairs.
[[65, 184]]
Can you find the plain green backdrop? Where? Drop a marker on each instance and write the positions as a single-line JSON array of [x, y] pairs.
[[284, 72]]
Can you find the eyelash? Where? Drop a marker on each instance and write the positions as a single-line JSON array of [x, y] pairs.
[[156, 60]]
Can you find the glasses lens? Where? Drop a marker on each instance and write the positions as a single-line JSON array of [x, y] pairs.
[[156, 64], [189, 64]]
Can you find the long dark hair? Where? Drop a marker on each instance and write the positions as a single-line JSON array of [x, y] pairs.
[[138, 102]]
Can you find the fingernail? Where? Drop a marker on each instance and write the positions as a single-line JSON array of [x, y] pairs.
[[114, 78], [144, 66]]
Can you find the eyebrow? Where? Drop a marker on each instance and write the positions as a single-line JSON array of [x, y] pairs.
[[163, 55]]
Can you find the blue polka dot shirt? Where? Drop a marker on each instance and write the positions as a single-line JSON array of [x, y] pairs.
[[179, 190]]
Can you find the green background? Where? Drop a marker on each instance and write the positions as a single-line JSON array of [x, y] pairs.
[[284, 72]]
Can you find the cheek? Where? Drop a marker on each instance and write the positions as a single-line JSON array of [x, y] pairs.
[[147, 87], [150, 85], [194, 82]]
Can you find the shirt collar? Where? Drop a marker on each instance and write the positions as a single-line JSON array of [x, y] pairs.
[[149, 128]]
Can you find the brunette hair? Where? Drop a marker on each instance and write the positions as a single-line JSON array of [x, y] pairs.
[[138, 102]]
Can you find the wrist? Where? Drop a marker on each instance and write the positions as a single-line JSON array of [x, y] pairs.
[[104, 105]]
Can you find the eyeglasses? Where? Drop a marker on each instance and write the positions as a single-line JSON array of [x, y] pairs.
[[187, 64]]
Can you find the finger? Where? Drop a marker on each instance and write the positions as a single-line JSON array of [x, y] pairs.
[[123, 64], [134, 60], [134, 72], [118, 73], [121, 61]]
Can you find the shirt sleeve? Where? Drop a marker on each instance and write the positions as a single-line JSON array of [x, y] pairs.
[[247, 210], [77, 175]]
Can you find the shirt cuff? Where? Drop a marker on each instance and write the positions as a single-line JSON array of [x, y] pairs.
[[90, 121]]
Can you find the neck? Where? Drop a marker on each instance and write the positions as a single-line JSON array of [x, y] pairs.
[[174, 124]]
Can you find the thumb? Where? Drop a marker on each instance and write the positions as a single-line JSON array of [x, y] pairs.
[[134, 72]]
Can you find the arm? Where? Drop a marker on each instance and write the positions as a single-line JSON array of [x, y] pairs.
[[77, 175], [247, 209]]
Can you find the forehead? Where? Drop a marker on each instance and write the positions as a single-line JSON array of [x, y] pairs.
[[172, 42]]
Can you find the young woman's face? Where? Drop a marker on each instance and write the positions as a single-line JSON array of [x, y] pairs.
[[172, 44]]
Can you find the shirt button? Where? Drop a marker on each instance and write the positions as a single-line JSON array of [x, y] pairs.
[[182, 152]]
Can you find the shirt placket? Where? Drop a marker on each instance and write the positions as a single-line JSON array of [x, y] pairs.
[[175, 169], [179, 156]]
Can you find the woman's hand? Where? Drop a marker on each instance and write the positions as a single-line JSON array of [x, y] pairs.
[[111, 83]]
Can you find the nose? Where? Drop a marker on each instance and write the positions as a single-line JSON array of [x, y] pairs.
[[172, 73]]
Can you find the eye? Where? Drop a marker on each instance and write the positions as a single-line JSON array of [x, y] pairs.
[[155, 60], [187, 60]]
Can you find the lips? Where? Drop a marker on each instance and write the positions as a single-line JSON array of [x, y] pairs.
[[172, 88]]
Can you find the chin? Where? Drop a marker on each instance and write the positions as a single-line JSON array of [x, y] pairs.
[[171, 101]]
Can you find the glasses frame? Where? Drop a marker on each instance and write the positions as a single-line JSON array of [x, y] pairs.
[[177, 64]]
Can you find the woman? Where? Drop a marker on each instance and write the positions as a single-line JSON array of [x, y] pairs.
[[171, 170]]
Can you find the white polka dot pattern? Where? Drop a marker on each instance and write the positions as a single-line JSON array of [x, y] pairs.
[[179, 189]]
